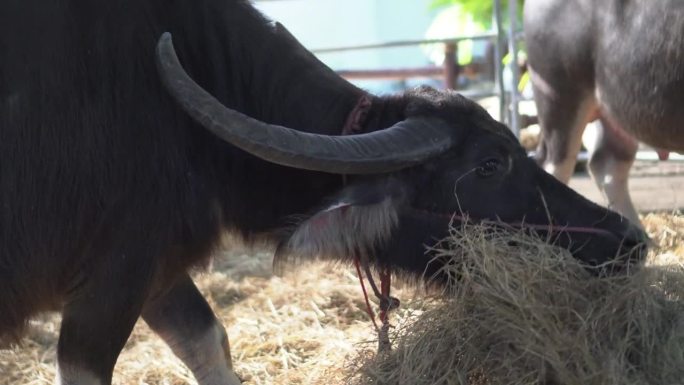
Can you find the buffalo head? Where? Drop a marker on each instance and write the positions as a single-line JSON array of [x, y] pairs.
[[445, 159]]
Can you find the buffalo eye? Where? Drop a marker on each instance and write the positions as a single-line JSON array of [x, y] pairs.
[[489, 167]]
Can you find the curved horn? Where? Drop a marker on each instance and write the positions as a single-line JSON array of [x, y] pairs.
[[405, 144]]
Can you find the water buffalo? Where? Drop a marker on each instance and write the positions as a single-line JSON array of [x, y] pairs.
[[619, 61], [119, 171]]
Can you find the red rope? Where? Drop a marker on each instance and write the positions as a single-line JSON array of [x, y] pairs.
[[385, 285], [520, 225], [369, 310]]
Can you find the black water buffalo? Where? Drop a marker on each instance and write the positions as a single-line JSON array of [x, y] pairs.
[[118, 172], [621, 61]]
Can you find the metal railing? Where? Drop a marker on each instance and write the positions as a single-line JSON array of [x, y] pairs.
[[405, 43], [449, 70]]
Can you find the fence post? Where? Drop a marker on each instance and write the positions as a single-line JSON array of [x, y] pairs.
[[450, 66], [498, 62], [515, 71]]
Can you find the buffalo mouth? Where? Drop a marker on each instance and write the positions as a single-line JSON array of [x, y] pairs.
[[606, 252], [601, 251]]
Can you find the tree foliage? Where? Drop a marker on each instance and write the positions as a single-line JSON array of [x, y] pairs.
[[482, 10]]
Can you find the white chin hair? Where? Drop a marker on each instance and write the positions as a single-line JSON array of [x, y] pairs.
[[341, 231]]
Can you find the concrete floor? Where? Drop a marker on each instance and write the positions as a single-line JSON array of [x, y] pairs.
[[654, 186]]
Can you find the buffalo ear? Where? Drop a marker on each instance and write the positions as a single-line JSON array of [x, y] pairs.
[[356, 223]]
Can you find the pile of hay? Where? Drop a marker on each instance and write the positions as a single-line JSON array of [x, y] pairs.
[[524, 312]]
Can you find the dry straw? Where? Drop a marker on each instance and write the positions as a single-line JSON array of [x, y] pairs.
[[523, 312]]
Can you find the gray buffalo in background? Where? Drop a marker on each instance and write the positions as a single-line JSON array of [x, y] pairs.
[[618, 61]]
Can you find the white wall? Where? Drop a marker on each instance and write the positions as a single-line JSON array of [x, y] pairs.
[[333, 23]]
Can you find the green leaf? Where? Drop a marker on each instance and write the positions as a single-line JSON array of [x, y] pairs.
[[482, 10]]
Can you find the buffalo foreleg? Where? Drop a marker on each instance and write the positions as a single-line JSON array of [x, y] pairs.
[[612, 152], [183, 318], [98, 318], [564, 109]]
